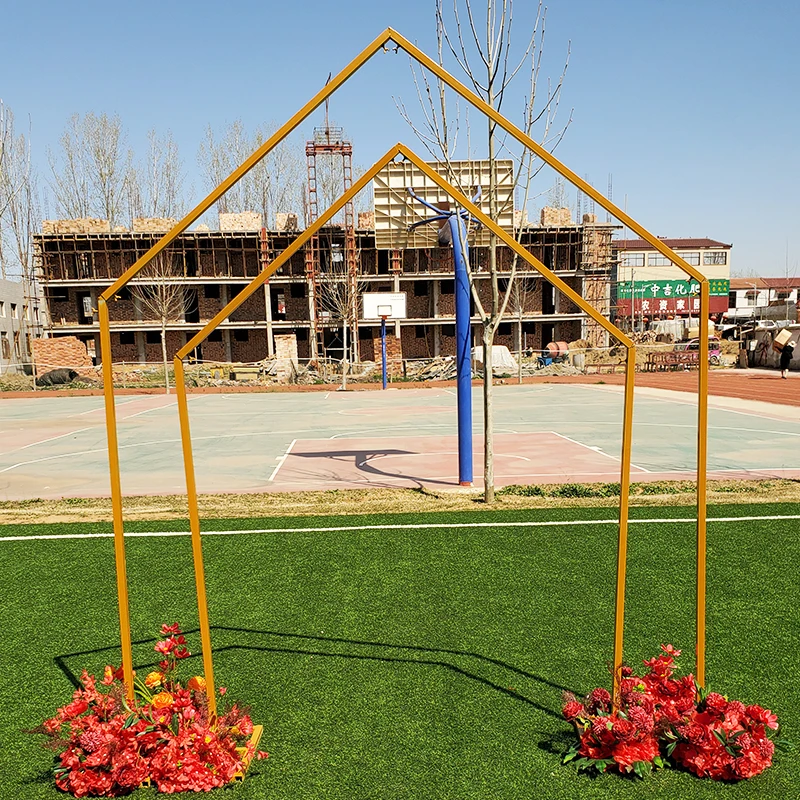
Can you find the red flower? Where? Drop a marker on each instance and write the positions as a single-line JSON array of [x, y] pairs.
[[762, 715], [166, 646], [627, 753], [573, 709], [623, 729], [74, 709], [599, 699], [716, 703], [641, 719], [166, 630]]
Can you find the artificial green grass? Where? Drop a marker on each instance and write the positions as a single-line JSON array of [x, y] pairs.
[[424, 663]]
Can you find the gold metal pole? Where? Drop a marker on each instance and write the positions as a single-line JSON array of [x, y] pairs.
[[624, 494], [540, 151], [317, 100], [384, 39], [116, 499], [702, 496], [284, 257], [183, 409], [197, 545]]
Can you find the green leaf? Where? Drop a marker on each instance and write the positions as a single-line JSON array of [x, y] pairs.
[[670, 747], [642, 768]]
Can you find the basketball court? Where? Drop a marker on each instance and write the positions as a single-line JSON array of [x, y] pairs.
[[54, 447]]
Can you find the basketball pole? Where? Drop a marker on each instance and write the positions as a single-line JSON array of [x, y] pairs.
[[383, 349], [458, 239], [463, 350]]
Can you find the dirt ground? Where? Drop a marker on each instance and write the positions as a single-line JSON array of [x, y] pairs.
[[378, 501]]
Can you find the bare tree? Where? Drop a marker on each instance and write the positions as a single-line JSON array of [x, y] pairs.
[[93, 169], [486, 60], [19, 218], [274, 184], [338, 292], [160, 291], [155, 187], [523, 289]]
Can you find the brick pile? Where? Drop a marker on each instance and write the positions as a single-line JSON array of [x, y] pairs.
[[83, 225], [61, 351], [555, 217], [286, 221], [394, 355], [286, 357], [153, 224], [245, 221]]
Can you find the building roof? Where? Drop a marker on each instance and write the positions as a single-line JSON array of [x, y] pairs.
[[765, 283], [748, 283], [674, 244]]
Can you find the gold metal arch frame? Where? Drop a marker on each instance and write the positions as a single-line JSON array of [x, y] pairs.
[[382, 43]]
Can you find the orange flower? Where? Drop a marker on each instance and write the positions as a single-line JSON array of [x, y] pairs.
[[197, 684], [162, 700], [153, 679]]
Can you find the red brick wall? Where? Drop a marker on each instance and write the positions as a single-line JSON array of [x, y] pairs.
[[61, 351], [417, 348], [253, 309], [418, 307], [123, 352], [213, 351], [369, 348], [254, 349], [121, 311]]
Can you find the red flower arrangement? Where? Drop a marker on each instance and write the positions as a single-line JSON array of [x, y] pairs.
[[664, 718], [109, 746]]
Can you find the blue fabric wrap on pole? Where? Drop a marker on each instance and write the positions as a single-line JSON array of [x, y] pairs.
[[383, 349], [463, 361]]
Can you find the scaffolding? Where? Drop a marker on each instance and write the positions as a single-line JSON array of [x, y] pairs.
[[330, 142]]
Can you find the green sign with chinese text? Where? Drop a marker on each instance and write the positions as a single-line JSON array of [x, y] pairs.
[[645, 290]]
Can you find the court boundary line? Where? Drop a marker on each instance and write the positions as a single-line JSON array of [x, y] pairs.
[[405, 526], [282, 460]]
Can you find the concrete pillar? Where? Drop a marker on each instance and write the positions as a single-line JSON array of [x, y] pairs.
[[268, 312]]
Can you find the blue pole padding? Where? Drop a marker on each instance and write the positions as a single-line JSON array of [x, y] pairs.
[[383, 349], [463, 352]]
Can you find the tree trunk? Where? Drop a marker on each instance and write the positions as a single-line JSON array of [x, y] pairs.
[[488, 416], [164, 356], [519, 349], [344, 356]]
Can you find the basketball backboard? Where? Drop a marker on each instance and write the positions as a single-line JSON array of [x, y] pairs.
[[396, 210], [377, 305]]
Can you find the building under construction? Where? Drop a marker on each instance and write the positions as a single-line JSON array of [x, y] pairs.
[[315, 296], [79, 259]]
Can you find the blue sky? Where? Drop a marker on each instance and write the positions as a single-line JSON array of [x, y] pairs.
[[691, 106]]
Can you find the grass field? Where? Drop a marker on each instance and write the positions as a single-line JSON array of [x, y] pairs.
[[410, 662]]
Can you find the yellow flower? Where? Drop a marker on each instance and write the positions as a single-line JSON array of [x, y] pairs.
[[162, 700], [197, 684], [153, 679]]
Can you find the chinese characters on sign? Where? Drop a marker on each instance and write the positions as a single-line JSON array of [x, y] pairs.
[[669, 297]]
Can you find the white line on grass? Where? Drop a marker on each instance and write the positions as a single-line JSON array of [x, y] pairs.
[[408, 527]]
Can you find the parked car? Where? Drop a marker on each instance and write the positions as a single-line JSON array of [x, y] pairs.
[[694, 344]]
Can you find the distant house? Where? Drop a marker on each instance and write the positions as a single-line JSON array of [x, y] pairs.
[[649, 285], [13, 326], [763, 298]]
